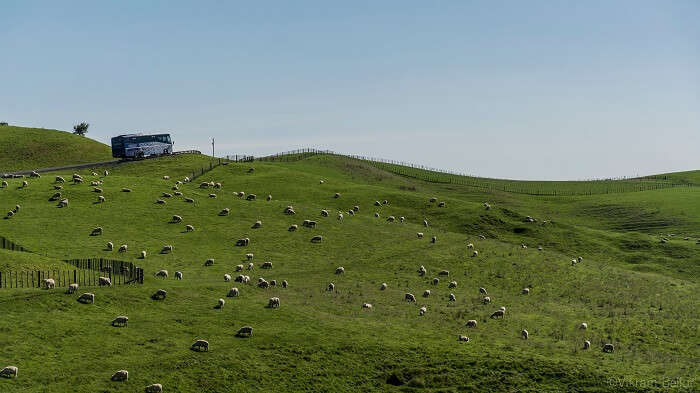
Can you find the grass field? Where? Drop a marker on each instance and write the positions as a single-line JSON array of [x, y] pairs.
[[631, 289], [23, 148]]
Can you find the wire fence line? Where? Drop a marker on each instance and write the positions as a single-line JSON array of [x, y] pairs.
[[88, 272]]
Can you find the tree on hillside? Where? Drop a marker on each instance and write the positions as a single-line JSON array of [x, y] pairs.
[[81, 129]]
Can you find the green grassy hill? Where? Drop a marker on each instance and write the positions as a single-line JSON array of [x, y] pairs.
[[24, 148], [633, 290]]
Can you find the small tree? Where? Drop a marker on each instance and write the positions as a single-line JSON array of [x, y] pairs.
[[81, 129]]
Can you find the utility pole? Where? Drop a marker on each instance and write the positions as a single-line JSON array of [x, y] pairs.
[[212, 147]]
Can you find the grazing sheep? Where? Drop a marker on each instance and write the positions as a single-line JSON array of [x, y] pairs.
[[285, 284], [586, 344], [251, 266], [60, 179], [583, 325], [257, 224], [176, 219], [471, 323], [425, 223], [159, 294], [154, 388], [273, 302], [539, 248], [422, 270], [483, 291], [376, 215], [77, 180], [309, 223], [104, 281], [444, 273], [452, 284], [143, 254], [608, 348], [324, 213], [502, 308], [475, 254], [166, 249], [4, 184], [25, 184], [251, 197], [426, 293], [383, 287], [317, 239], [245, 331], [220, 304], [420, 235], [87, 298], [240, 194], [239, 278], [100, 199], [209, 262], [162, 273], [336, 195], [487, 300], [63, 203], [524, 333], [331, 287], [573, 262], [97, 190], [351, 212], [10, 214], [189, 200], [377, 203], [120, 321], [200, 345], [525, 291], [441, 204], [269, 198], [580, 259], [391, 219], [293, 228], [233, 292], [262, 283], [96, 231], [410, 297], [402, 218], [106, 172], [9, 372], [217, 185], [498, 313], [482, 237], [434, 239], [266, 265], [49, 283], [433, 200], [239, 268], [225, 212], [204, 184], [340, 216], [463, 338], [189, 228], [487, 206], [422, 310], [212, 195], [385, 202], [340, 270], [242, 242], [123, 248], [178, 275], [366, 306], [72, 288], [167, 195], [470, 246], [452, 297], [110, 246], [56, 196], [120, 376], [126, 189], [436, 281]]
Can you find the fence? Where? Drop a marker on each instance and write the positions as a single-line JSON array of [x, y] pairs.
[[87, 273], [8, 245], [240, 158], [175, 153]]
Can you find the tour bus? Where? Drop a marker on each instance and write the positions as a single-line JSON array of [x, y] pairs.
[[137, 146]]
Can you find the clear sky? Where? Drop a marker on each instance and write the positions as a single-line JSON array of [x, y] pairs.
[[515, 89]]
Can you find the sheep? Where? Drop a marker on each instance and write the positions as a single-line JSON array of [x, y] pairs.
[[441, 204], [159, 294], [16, 209], [293, 228], [167, 195], [266, 265], [273, 302], [573, 262], [356, 208], [498, 313], [60, 179], [482, 237], [285, 284], [351, 212], [217, 185], [580, 259], [331, 287], [251, 169], [189, 200], [475, 254], [262, 283], [487, 300], [189, 228], [583, 326], [426, 293], [317, 239], [123, 248], [242, 242], [204, 184], [422, 271], [49, 283], [383, 287], [72, 288], [225, 212], [502, 308], [257, 224], [126, 189], [463, 338], [482, 291], [420, 235], [239, 278], [10, 214], [245, 331], [97, 190], [240, 194], [324, 213], [63, 203], [310, 223], [487, 206], [104, 281], [25, 184], [56, 196], [525, 291], [154, 388], [422, 310], [377, 203], [9, 372], [410, 297], [178, 275], [433, 200], [470, 246], [452, 284], [340, 216], [177, 193], [77, 180], [402, 218], [524, 333], [269, 198], [376, 215], [385, 202], [220, 304], [425, 223], [444, 273], [251, 266], [96, 231], [106, 172], [176, 219], [434, 239], [110, 246], [471, 323], [87, 298], [162, 273], [239, 268], [121, 320], [586, 344], [4, 184], [336, 195], [143, 254], [120, 376], [233, 292], [166, 177], [168, 248], [452, 297], [390, 219], [209, 262], [100, 199], [436, 281], [539, 248], [251, 197], [367, 306], [200, 345], [212, 195]]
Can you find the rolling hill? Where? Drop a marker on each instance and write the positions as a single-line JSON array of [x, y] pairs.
[[632, 289]]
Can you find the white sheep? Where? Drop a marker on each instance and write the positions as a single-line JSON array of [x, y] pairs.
[[470, 245], [4, 184], [87, 298], [422, 271], [317, 239], [498, 313], [104, 281], [96, 231], [189, 200], [159, 294], [434, 239], [336, 195], [475, 254], [143, 254], [383, 286], [525, 291], [285, 284], [251, 197], [154, 388], [583, 325], [72, 288], [452, 284], [162, 273], [110, 246], [422, 310], [160, 202], [293, 228], [49, 283], [340, 216], [100, 199], [257, 224], [220, 304], [324, 213], [340, 270], [471, 323], [245, 331], [233, 292], [239, 268], [463, 338], [391, 219], [120, 376], [524, 333], [126, 189], [420, 235], [63, 203], [121, 320], [9, 372], [225, 212], [586, 344], [487, 300], [212, 195], [376, 214], [176, 219], [436, 281], [200, 345], [426, 293], [425, 223], [209, 262], [452, 297], [410, 297], [189, 228], [60, 179], [123, 248], [166, 249], [331, 287], [269, 198], [367, 306], [608, 348], [106, 172], [482, 291], [273, 302], [178, 275], [227, 277]]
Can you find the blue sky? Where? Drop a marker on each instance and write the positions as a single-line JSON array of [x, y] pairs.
[[515, 89]]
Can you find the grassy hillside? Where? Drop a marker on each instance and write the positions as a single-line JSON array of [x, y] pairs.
[[24, 148], [631, 289]]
